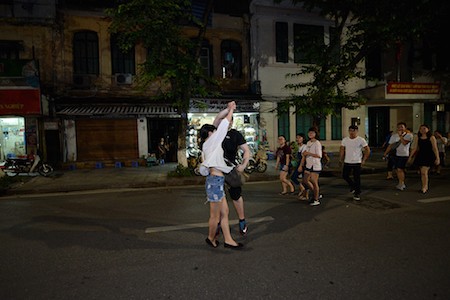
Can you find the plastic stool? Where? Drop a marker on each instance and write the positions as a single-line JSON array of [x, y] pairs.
[[118, 164], [99, 165]]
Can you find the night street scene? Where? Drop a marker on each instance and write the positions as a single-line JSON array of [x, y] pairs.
[[241, 149]]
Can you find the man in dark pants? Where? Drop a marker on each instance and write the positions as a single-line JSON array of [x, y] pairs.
[[354, 152], [231, 144]]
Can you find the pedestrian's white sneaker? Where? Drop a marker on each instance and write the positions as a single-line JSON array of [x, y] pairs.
[[401, 187], [315, 203]]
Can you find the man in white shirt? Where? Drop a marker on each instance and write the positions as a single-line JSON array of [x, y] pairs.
[[354, 152], [401, 140]]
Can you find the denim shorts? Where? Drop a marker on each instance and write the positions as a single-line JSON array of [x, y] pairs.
[[214, 188], [280, 168]]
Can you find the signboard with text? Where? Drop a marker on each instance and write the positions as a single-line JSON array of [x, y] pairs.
[[412, 88], [20, 102]]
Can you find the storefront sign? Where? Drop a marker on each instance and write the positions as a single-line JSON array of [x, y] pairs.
[[20, 102], [412, 88]]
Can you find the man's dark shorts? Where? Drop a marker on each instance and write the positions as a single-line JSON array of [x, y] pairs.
[[400, 162], [235, 192]]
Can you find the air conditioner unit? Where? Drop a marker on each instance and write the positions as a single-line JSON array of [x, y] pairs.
[[124, 78]]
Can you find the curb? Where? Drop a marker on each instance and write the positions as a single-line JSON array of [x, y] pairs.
[[166, 182]]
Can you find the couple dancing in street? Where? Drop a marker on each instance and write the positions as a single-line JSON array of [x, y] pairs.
[[214, 140]]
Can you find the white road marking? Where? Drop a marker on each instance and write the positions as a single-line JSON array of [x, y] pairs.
[[202, 225], [108, 190], [437, 199]]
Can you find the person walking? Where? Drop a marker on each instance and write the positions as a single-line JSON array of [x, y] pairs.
[[425, 154], [163, 147], [214, 167], [283, 163], [354, 152], [312, 161], [234, 141], [400, 141], [441, 144], [301, 145]]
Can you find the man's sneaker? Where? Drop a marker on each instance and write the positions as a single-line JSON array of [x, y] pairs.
[[314, 203], [401, 187], [356, 197], [352, 191], [243, 231]]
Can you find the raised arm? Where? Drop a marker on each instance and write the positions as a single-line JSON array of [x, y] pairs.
[[227, 113]]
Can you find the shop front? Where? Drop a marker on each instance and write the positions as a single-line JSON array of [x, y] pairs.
[[204, 111], [102, 133], [20, 108]]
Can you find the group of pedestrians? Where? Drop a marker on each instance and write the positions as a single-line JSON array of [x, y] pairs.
[[424, 151], [220, 145], [309, 167]]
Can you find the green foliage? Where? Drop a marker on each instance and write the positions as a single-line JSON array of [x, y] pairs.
[[181, 171]]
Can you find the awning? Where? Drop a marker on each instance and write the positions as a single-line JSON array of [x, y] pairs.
[[159, 111]]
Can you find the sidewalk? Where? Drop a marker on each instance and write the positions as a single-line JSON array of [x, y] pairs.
[[145, 177]]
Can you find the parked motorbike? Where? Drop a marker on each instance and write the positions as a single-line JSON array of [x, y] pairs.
[[258, 162], [194, 159], [15, 166]]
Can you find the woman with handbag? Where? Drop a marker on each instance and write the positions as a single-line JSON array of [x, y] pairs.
[[214, 167], [425, 154]]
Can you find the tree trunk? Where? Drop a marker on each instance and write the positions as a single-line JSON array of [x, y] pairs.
[[181, 154]]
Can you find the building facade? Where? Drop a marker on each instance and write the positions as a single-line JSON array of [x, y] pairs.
[[90, 107], [274, 54]]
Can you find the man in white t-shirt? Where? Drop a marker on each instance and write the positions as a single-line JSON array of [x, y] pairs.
[[354, 152], [401, 140]]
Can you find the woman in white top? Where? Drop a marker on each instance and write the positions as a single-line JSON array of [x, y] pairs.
[[214, 167], [311, 159]]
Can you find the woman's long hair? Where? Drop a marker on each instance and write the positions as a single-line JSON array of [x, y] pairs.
[[204, 133], [429, 134]]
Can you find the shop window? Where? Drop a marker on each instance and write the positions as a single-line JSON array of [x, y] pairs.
[[12, 137], [281, 42], [307, 37], [123, 61], [85, 53], [231, 54], [283, 124], [336, 126]]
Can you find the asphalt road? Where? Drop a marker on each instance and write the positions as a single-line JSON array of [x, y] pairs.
[[149, 244]]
